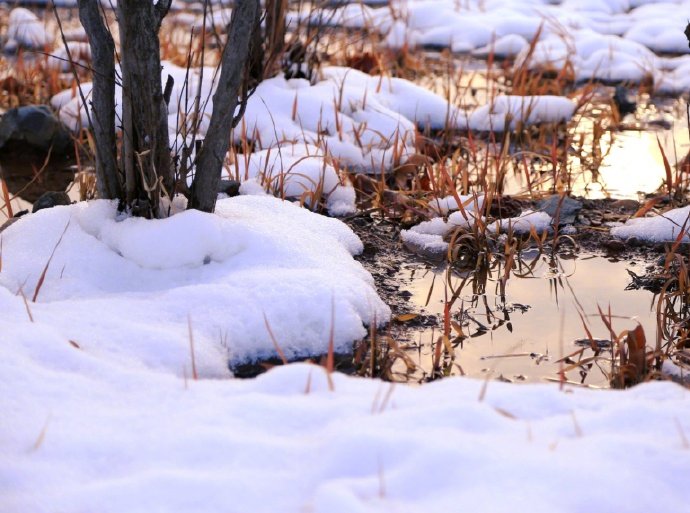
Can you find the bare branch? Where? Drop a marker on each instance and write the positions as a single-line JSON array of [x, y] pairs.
[[102, 98], [209, 162], [161, 8]]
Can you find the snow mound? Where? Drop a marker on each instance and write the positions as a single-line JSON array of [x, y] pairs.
[[427, 237], [615, 40], [662, 228], [127, 288], [26, 30], [524, 223], [83, 435], [297, 171]]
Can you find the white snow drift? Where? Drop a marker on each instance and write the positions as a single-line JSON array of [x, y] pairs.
[[126, 289]]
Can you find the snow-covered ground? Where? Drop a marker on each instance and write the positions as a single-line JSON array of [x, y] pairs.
[[82, 432], [256, 260], [116, 334], [614, 40]]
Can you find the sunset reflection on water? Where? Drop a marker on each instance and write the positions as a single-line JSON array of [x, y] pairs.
[[549, 295]]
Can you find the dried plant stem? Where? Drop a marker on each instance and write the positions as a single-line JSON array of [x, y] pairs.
[[42, 278], [195, 376]]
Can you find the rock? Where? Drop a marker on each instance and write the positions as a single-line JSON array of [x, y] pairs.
[[614, 245], [622, 101], [229, 187], [51, 199], [634, 241], [569, 208], [36, 126], [506, 207], [625, 205], [12, 220], [8, 223]]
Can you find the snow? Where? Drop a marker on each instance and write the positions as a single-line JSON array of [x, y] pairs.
[[507, 112], [524, 223], [304, 134], [665, 227], [296, 171], [256, 256], [84, 433], [26, 30], [428, 237], [611, 41], [102, 410]]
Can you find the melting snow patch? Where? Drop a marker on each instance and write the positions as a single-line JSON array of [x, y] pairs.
[[613, 40], [524, 223], [662, 228], [428, 237]]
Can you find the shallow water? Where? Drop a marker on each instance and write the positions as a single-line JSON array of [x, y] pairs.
[[624, 161], [521, 337]]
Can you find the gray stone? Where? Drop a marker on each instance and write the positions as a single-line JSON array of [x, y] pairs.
[[569, 208], [51, 199], [229, 187], [36, 126]]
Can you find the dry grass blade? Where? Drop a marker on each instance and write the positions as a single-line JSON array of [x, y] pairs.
[[42, 278], [280, 352], [26, 303], [195, 376], [307, 388], [6, 197], [330, 358], [485, 386], [681, 432], [386, 398], [576, 425], [648, 205], [41, 436], [667, 168]]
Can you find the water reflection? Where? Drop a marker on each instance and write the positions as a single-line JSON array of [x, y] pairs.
[[521, 335]]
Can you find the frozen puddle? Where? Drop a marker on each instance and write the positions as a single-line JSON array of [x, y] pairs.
[[522, 337]]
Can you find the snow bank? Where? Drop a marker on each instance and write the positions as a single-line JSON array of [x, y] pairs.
[[524, 223], [348, 119], [612, 40], [507, 112], [428, 237], [661, 228], [25, 30], [125, 289], [296, 171], [84, 433]]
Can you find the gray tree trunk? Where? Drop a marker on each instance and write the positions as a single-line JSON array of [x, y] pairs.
[[108, 179], [209, 161], [275, 35], [145, 147]]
